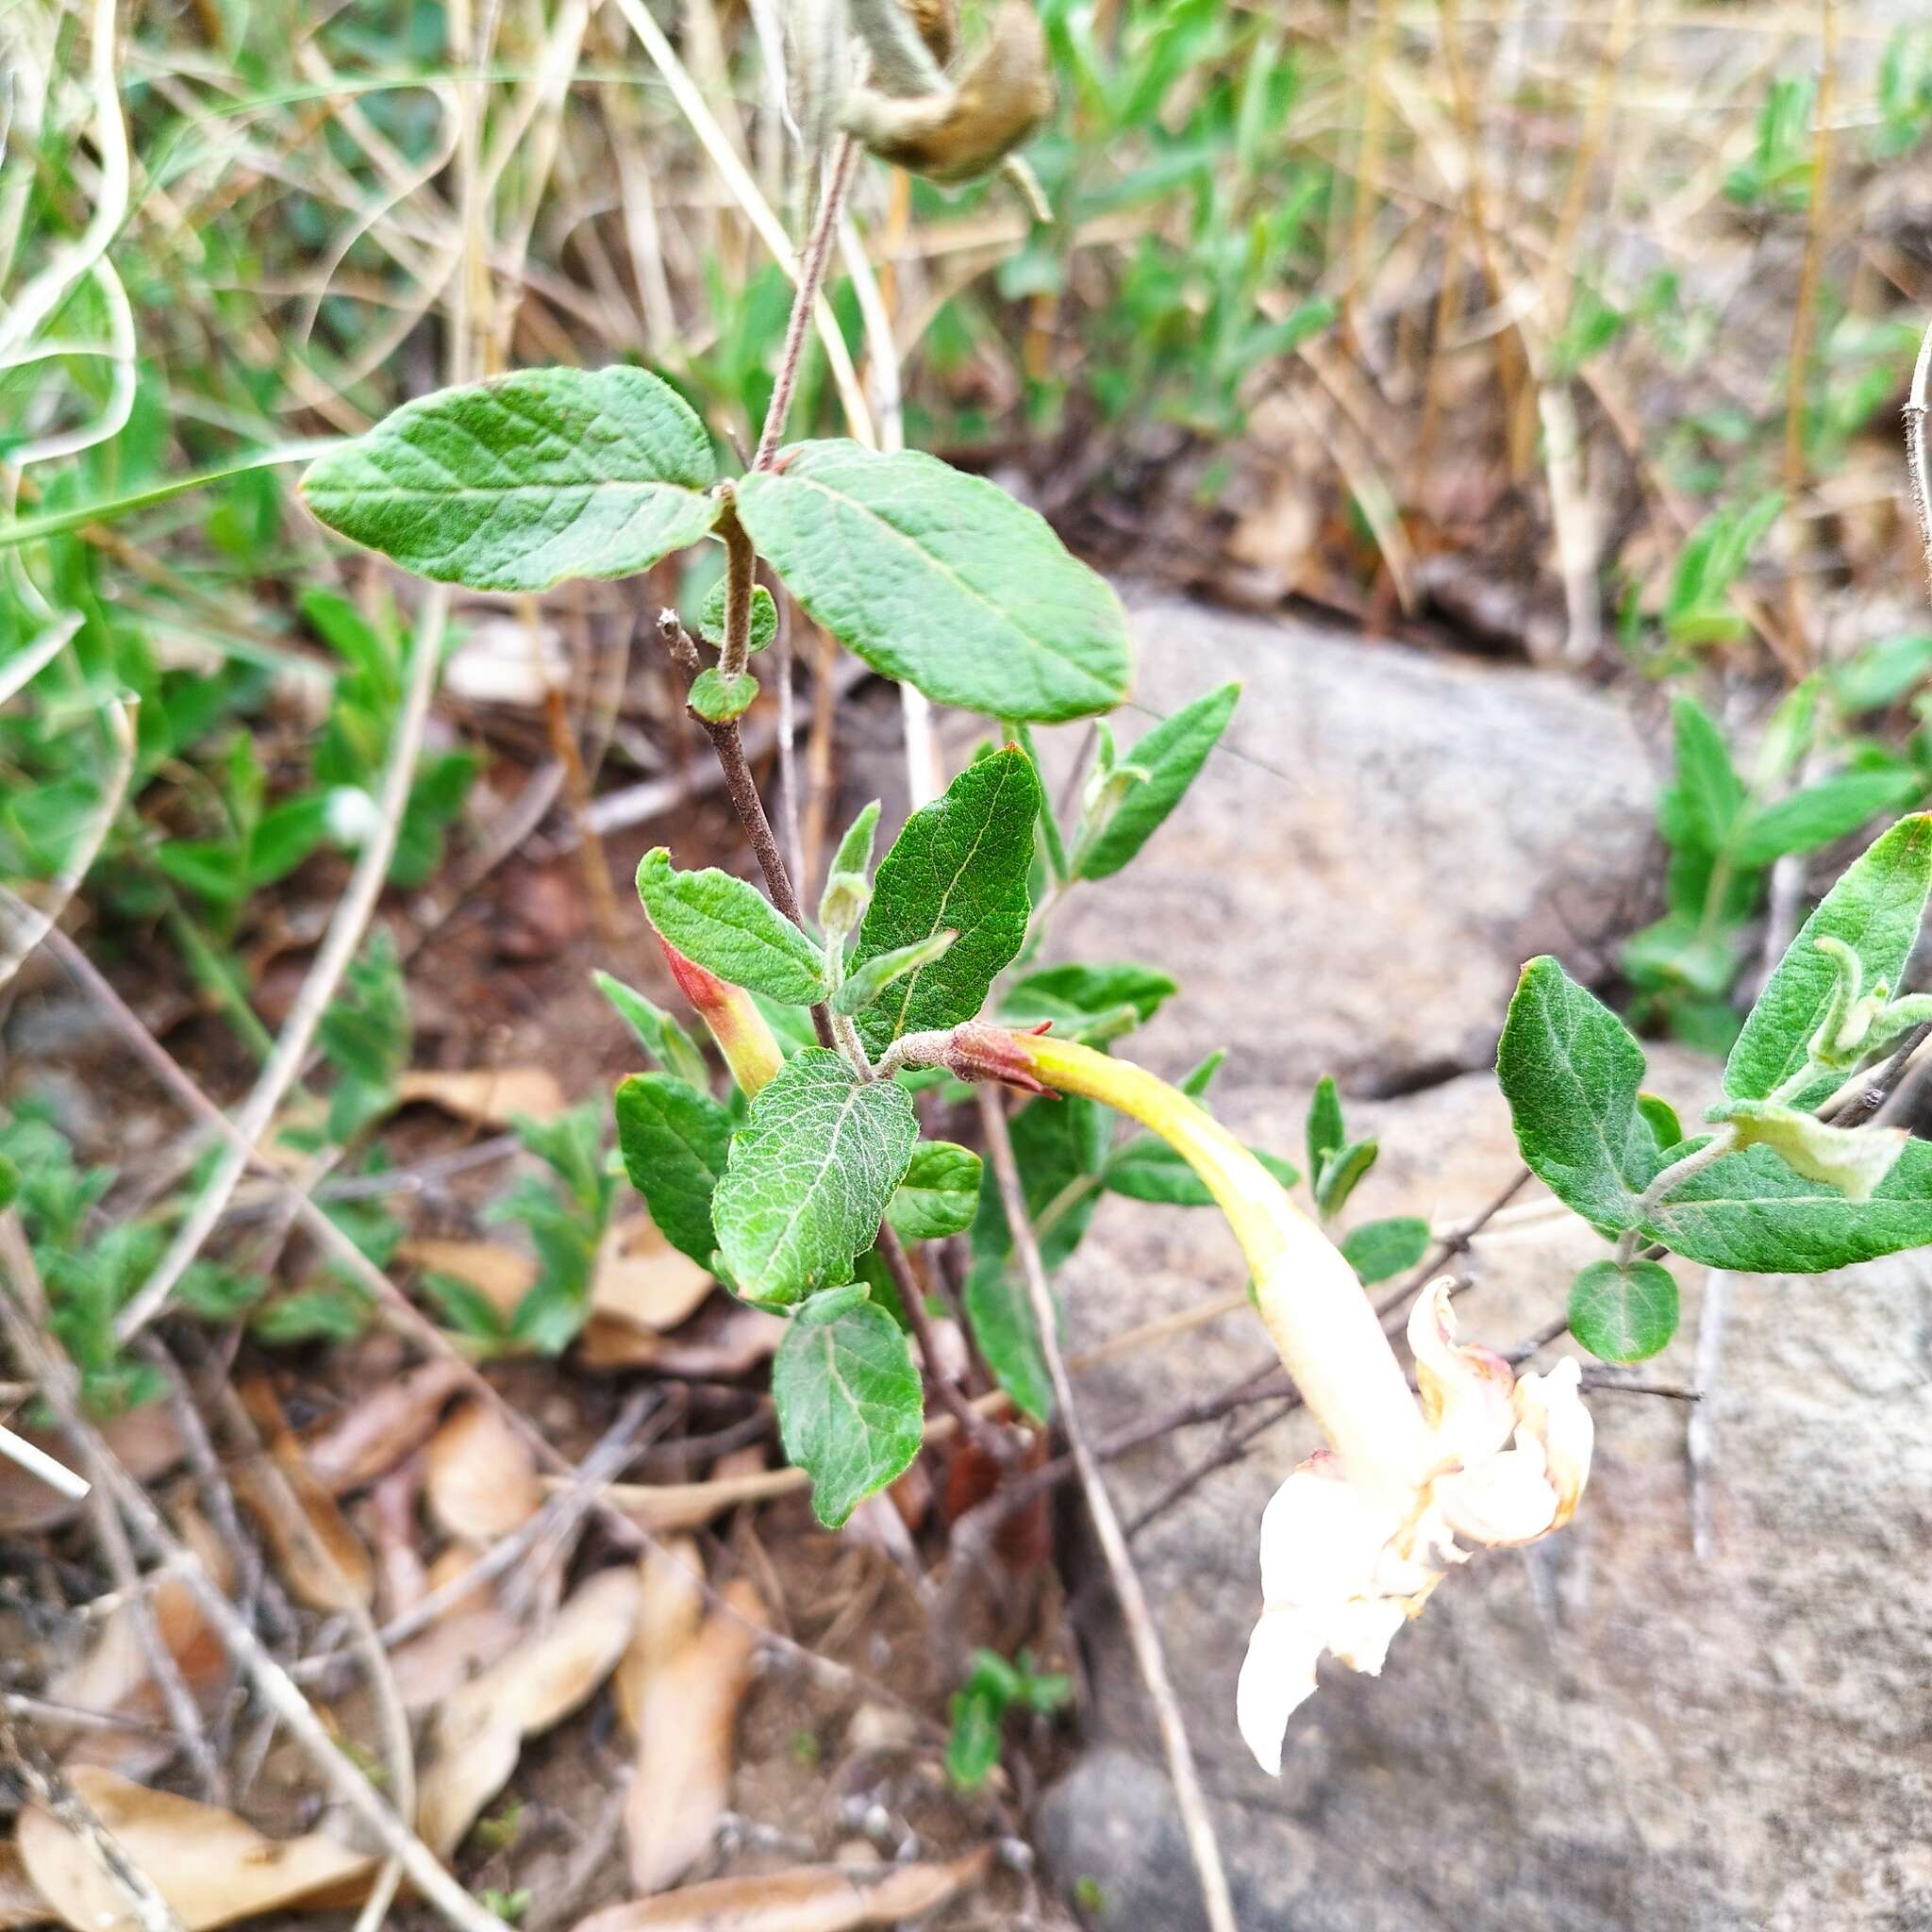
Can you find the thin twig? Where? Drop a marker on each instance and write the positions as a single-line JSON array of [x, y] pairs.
[[1918, 462], [979, 1430], [1144, 1638]]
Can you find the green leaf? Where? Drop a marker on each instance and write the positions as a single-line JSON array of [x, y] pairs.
[[674, 1141], [731, 930], [762, 628], [809, 1176], [1147, 1169], [286, 834], [718, 696], [939, 1194], [1821, 813], [871, 982], [973, 1746], [940, 579], [1378, 1249], [960, 863], [519, 483], [1570, 1071], [1089, 1003], [1661, 1118], [1341, 1172], [1750, 1213], [1875, 908], [855, 849], [1002, 1318], [1624, 1312], [657, 1033], [1171, 755], [1709, 794], [1326, 1134], [1060, 1147], [851, 1412]]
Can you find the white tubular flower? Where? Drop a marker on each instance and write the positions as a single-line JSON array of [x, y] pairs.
[[1357, 1536], [1344, 1566]]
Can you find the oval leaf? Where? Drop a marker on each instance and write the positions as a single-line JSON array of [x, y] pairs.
[[939, 1194], [731, 930], [960, 864], [809, 1176], [1624, 1312], [1171, 755], [517, 484], [940, 578], [851, 1410], [675, 1140]]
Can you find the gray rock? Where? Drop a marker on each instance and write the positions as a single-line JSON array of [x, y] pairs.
[[1601, 1732], [1381, 839]]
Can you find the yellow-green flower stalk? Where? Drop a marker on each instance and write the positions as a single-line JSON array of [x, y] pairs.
[[1356, 1538], [732, 1017]]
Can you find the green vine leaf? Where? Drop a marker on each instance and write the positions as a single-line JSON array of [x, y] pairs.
[[1751, 1213], [939, 1194], [1624, 1312], [809, 1176], [1875, 909], [1570, 1071], [940, 579], [851, 1410], [1002, 1325], [960, 863], [1378, 1249], [517, 484], [1171, 755], [731, 930], [673, 1140]]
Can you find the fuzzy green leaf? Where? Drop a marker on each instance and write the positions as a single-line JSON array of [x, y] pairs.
[[809, 1176], [1661, 1118], [1709, 794], [872, 980], [1624, 1312], [762, 628], [940, 579], [675, 1140], [1002, 1325], [1378, 1249], [1326, 1135], [1342, 1173], [657, 1032], [1830, 810], [1751, 1213], [1171, 755], [1875, 908], [855, 849], [1089, 1003], [731, 930], [939, 1194], [960, 863], [718, 696], [519, 483], [1855, 1160], [851, 1412], [1570, 1071]]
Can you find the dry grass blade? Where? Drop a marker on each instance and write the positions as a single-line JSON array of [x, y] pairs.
[[809, 1898], [212, 1867], [479, 1731], [686, 1721]]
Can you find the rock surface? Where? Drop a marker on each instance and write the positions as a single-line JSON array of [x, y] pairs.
[[1605, 1731]]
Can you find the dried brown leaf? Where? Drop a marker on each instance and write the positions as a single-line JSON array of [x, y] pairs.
[[486, 1095], [210, 1865], [686, 1722], [473, 1747], [642, 1279], [21, 1904], [481, 1476], [502, 1275], [146, 1443], [659, 1507], [808, 1898], [324, 1563], [371, 1439], [726, 1338], [471, 1635], [671, 1604]]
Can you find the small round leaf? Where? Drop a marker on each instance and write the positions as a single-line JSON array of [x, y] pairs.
[[719, 696], [1624, 1312], [764, 617]]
